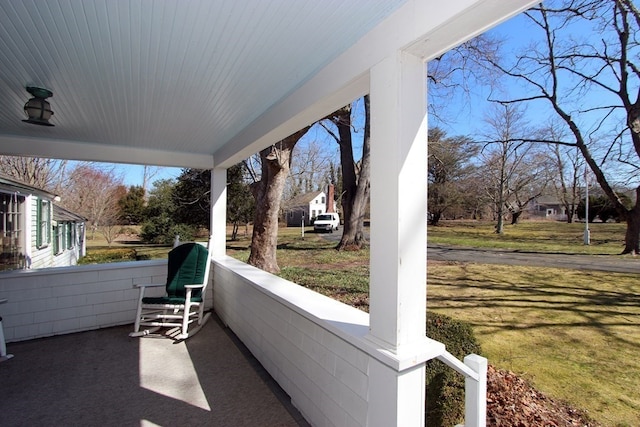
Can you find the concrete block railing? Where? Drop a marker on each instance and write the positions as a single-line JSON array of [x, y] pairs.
[[54, 301]]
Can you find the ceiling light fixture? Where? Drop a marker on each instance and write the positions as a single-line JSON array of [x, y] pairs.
[[37, 109]]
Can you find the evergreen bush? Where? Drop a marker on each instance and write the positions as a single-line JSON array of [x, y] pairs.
[[444, 404]]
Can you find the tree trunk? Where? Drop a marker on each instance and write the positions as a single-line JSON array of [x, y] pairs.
[[500, 224], [435, 218], [515, 217], [570, 213], [632, 236], [356, 187], [275, 165]]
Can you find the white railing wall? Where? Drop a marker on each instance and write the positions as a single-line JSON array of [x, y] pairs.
[[54, 301], [318, 349], [307, 354]]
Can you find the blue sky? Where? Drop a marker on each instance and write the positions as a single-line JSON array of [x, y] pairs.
[[133, 174]]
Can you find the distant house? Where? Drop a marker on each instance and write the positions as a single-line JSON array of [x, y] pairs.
[[35, 232], [549, 207], [308, 206], [305, 208]]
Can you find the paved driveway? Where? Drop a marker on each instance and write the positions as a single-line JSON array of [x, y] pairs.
[[613, 263]]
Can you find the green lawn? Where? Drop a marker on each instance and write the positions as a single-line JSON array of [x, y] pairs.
[[574, 334], [540, 236]]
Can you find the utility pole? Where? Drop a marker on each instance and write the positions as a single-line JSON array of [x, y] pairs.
[[587, 233]]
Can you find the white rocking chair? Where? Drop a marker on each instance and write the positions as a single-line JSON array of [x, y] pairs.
[[183, 304]]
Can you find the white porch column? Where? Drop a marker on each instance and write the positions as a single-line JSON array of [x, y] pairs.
[[398, 237], [218, 221]]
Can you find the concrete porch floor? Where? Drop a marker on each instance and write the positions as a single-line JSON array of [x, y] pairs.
[[106, 378]]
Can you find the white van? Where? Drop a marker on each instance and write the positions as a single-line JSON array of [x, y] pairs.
[[326, 222]]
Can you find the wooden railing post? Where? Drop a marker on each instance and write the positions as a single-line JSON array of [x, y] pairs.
[[475, 407]]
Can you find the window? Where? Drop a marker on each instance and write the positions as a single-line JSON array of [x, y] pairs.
[[43, 234], [62, 240], [11, 231], [323, 201]]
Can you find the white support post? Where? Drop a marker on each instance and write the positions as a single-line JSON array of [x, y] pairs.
[[3, 346], [398, 236], [218, 220], [475, 392]]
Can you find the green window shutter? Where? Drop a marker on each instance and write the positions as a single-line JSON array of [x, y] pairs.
[[56, 230], [38, 228], [43, 221], [47, 222], [70, 234]]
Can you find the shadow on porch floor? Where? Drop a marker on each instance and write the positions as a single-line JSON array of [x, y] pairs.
[[105, 378]]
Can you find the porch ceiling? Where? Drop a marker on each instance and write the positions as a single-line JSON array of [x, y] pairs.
[[174, 83]]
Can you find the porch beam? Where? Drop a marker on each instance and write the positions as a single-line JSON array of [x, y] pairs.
[[93, 152]]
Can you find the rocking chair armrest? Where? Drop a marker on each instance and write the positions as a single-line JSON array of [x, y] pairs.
[[194, 286], [148, 285]]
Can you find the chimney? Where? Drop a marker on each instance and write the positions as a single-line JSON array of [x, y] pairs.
[[330, 196]]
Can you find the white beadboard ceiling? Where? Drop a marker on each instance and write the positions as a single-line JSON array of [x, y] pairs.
[[166, 75]]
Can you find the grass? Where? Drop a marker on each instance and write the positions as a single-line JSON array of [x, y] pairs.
[[536, 236], [99, 252], [571, 333]]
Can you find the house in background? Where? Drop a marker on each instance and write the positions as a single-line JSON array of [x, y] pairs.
[[305, 208], [67, 237], [35, 232], [308, 206], [548, 207]]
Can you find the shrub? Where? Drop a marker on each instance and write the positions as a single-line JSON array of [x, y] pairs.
[[445, 387], [102, 256], [164, 233]]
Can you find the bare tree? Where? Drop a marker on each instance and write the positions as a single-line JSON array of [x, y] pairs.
[[275, 165], [355, 176], [505, 156], [527, 183], [46, 174], [94, 192], [591, 84], [310, 168], [148, 173], [457, 75], [565, 169]]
